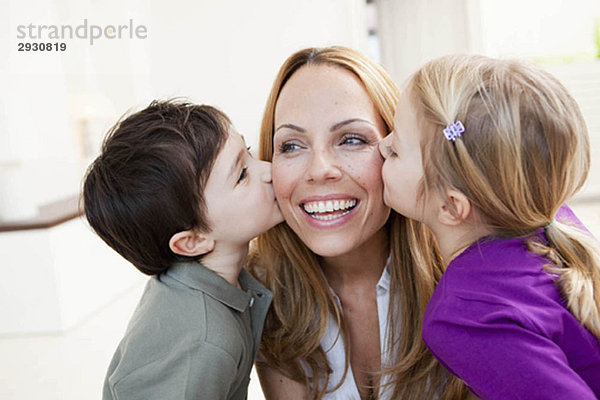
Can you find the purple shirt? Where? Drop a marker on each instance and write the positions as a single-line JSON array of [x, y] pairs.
[[497, 321]]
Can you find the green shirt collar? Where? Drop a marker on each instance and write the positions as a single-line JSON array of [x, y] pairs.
[[197, 276]]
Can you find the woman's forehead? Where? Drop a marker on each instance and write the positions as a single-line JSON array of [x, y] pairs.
[[326, 92]]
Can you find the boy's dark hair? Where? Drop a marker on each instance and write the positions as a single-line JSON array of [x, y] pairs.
[[148, 182]]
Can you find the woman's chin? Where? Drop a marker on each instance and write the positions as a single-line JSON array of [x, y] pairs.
[[330, 247]]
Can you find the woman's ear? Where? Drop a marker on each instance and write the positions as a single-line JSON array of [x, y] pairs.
[[455, 209], [191, 243]]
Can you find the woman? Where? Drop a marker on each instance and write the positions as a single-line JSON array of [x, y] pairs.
[[350, 279]]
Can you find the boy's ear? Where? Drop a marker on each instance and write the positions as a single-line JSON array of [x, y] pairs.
[[456, 208], [191, 243]]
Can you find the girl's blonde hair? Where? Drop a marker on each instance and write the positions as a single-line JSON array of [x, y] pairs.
[[524, 152], [303, 303]]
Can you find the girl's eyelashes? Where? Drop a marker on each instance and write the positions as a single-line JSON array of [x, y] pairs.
[[243, 174]]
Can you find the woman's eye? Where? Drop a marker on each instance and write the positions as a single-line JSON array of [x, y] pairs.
[[243, 174], [353, 140], [288, 147]]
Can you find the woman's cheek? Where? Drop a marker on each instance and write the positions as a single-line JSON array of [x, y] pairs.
[[366, 169], [284, 178]]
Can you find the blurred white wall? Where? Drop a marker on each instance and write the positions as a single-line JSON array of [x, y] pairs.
[[539, 28], [413, 32]]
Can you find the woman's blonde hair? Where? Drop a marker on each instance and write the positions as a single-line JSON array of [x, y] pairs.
[[524, 152], [303, 303]]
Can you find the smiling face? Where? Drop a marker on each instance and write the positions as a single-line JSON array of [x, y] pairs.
[[403, 167], [326, 163], [239, 196]]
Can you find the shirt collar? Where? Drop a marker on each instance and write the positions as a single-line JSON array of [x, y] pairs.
[[198, 277], [384, 281]]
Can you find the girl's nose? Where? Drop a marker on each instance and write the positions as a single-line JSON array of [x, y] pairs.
[[384, 145]]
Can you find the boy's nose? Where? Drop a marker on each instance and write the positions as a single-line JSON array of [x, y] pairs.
[[265, 173]]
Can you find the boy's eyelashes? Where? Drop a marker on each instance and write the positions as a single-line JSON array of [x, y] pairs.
[[244, 171]]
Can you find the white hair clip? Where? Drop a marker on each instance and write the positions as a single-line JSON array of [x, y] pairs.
[[454, 130]]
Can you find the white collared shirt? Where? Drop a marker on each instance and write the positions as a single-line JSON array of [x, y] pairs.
[[333, 345]]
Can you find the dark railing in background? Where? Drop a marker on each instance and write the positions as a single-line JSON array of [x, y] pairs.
[[49, 216]]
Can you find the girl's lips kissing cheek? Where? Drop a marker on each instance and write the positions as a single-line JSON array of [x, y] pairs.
[[329, 212]]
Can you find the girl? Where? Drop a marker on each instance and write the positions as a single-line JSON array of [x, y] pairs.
[[485, 152]]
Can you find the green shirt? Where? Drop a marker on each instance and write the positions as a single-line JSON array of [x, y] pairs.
[[192, 336]]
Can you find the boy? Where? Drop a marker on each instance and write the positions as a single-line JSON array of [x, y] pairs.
[[176, 192]]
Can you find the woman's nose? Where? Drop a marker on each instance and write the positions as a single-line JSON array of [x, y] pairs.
[[324, 167]]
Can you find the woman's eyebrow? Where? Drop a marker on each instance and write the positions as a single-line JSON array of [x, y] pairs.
[[291, 126], [349, 121]]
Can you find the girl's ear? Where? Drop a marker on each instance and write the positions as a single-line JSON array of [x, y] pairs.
[[191, 243], [456, 209]]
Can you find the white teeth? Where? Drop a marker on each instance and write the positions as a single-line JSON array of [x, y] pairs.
[[328, 217], [322, 207], [328, 206]]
